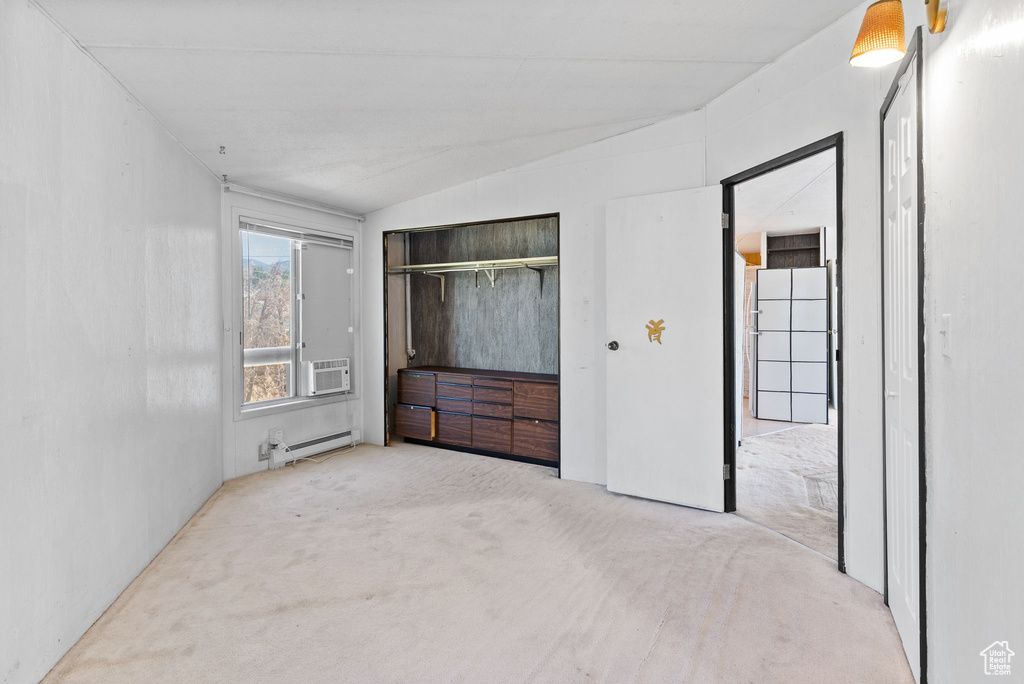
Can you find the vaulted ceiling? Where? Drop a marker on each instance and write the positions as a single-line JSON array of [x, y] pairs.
[[796, 198], [364, 103]]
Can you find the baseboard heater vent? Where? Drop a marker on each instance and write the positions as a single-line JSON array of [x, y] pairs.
[[279, 455]]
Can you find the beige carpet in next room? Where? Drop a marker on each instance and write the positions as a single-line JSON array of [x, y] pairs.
[[788, 481], [413, 564]]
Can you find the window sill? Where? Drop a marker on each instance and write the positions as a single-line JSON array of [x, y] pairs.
[[290, 404]]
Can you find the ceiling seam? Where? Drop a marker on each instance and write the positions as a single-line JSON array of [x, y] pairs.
[[414, 55], [121, 85]]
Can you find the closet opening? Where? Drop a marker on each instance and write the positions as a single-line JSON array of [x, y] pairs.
[[784, 377], [471, 336]]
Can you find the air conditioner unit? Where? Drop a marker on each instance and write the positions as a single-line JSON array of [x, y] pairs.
[[327, 376]]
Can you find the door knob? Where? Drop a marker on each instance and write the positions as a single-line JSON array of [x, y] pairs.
[[890, 394], [613, 345]]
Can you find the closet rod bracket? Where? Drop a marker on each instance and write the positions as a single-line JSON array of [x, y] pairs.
[[439, 276]]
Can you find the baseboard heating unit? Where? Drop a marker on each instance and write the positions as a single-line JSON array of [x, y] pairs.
[[283, 453]]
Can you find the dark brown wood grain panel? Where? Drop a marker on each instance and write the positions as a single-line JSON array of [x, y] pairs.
[[481, 373], [453, 428], [454, 405], [535, 400], [415, 388], [414, 421], [455, 378], [488, 381], [498, 396], [535, 439], [492, 434], [454, 391], [492, 410]]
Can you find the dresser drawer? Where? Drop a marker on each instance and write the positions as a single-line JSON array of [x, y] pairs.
[[535, 439], [498, 396], [416, 388], [454, 391], [492, 434], [536, 400], [417, 422], [455, 405], [454, 428], [492, 382], [455, 378], [492, 410]]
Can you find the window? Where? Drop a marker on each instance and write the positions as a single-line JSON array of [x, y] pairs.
[[296, 309], [267, 296]]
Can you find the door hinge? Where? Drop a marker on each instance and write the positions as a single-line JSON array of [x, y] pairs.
[[725, 222], [725, 472]]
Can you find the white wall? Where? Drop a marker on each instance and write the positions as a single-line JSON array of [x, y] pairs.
[[111, 374], [310, 418], [808, 94], [974, 175], [668, 156]]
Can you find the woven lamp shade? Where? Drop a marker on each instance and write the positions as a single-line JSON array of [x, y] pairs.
[[882, 35]]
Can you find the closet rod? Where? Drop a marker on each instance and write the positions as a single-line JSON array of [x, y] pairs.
[[494, 265]]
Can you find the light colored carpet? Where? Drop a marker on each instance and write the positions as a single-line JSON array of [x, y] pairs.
[[788, 481], [413, 564]]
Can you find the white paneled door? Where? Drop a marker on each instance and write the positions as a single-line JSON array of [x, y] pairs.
[[900, 317], [664, 394], [792, 311]]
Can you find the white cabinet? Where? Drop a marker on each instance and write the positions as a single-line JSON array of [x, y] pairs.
[[792, 345]]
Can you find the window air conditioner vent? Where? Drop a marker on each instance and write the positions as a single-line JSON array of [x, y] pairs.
[[327, 376]]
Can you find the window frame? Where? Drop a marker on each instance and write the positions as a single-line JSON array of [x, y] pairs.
[[241, 216]]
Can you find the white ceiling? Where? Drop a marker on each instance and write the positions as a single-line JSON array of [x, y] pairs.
[[794, 199], [364, 103]]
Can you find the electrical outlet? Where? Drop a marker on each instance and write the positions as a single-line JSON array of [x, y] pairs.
[[276, 436], [263, 452]]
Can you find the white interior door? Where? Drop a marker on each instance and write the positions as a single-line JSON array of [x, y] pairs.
[[665, 395], [900, 311]]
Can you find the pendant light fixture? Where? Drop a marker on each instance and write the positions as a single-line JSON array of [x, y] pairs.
[[882, 38]]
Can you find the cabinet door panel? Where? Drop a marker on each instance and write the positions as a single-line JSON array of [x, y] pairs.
[[492, 434], [810, 283], [774, 283], [416, 388], [810, 377], [773, 346], [454, 391], [480, 381], [455, 378], [454, 405], [810, 346], [773, 406], [810, 314], [492, 410], [535, 439], [774, 315], [498, 396], [810, 408], [536, 400], [453, 428], [414, 421], [773, 376]]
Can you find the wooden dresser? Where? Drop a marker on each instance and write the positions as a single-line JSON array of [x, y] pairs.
[[488, 411]]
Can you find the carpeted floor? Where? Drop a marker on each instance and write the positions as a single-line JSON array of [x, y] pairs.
[[788, 481], [413, 564]]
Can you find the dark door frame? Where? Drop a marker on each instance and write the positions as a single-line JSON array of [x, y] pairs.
[[446, 226], [832, 142], [914, 52]]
